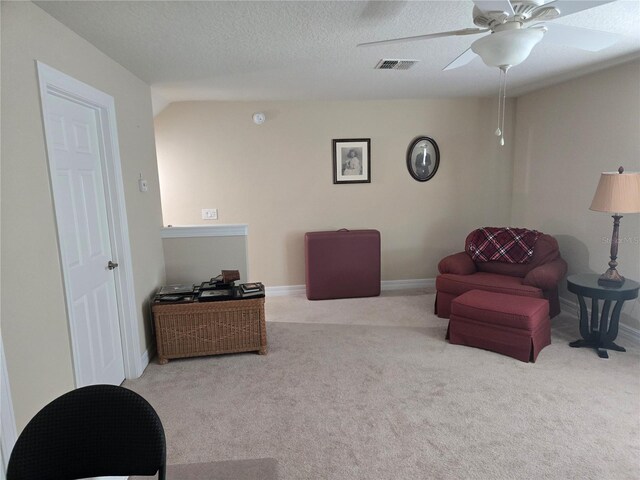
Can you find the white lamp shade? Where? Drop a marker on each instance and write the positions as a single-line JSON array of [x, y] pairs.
[[507, 48], [617, 193]]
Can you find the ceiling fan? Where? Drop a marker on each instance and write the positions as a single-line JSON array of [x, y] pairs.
[[515, 29]]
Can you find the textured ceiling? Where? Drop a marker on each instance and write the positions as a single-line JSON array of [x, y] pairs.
[[306, 50]]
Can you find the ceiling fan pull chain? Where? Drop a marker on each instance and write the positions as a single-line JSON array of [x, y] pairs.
[[504, 102], [498, 132]]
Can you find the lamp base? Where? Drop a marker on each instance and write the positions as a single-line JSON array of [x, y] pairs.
[[611, 278]]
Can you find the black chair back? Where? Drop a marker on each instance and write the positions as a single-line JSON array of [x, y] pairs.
[[94, 431]]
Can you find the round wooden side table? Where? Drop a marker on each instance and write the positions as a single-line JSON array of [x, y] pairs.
[[601, 332]]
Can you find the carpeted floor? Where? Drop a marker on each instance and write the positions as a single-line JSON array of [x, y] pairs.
[[255, 469], [369, 389]]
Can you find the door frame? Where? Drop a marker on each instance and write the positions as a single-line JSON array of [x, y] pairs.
[[8, 431], [56, 83]]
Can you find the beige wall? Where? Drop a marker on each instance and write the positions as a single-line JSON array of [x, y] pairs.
[[34, 324], [197, 259], [278, 177], [565, 136]]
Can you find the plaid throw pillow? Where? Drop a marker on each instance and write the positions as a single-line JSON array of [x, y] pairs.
[[502, 244]]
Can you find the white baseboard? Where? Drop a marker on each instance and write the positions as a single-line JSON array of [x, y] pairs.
[[391, 285], [146, 357], [385, 286], [568, 306], [8, 431], [628, 333], [284, 290]]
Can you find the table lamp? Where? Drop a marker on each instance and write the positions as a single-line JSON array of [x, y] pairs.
[[617, 193]]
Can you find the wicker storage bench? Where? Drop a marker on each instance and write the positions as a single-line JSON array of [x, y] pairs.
[[209, 328]]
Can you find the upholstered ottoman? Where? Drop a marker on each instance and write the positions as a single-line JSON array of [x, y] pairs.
[[512, 325]]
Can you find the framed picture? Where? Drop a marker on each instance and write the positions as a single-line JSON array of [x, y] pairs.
[[423, 158], [352, 160]]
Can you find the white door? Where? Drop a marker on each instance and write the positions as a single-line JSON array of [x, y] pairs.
[[76, 158]]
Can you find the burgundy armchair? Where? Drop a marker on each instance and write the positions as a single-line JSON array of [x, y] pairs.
[[538, 278]]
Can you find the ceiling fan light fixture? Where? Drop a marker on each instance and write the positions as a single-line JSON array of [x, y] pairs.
[[508, 47]]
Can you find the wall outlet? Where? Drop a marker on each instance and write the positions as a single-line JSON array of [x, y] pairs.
[[209, 213]]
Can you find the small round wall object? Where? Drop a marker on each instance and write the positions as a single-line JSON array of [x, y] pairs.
[[259, 118], [423, 158]]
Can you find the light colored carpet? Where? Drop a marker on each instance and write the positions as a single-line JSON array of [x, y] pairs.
[[258, 469], [370, 389]]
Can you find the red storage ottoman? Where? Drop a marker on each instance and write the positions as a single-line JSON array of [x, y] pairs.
[[508, 324], [342, 264]]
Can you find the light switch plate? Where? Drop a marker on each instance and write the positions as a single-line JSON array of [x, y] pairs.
[[209, 213]]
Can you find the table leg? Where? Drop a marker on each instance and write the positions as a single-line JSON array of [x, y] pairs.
[[586, 329], [604, 322], [601, 332], [612, 333], [584, 322], [594, 315]]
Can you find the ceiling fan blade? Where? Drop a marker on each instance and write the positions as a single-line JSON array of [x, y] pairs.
[[465, 57], [583, 38], [494, 6], [567, 7], [466, 31]]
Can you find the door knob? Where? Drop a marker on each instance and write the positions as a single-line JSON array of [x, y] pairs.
[[111, 265]]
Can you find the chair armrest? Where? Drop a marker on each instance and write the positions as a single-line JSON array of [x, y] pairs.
[[458, 263], [547, 276]]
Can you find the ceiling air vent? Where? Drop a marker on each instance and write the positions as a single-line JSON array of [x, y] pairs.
[[387, 64]]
